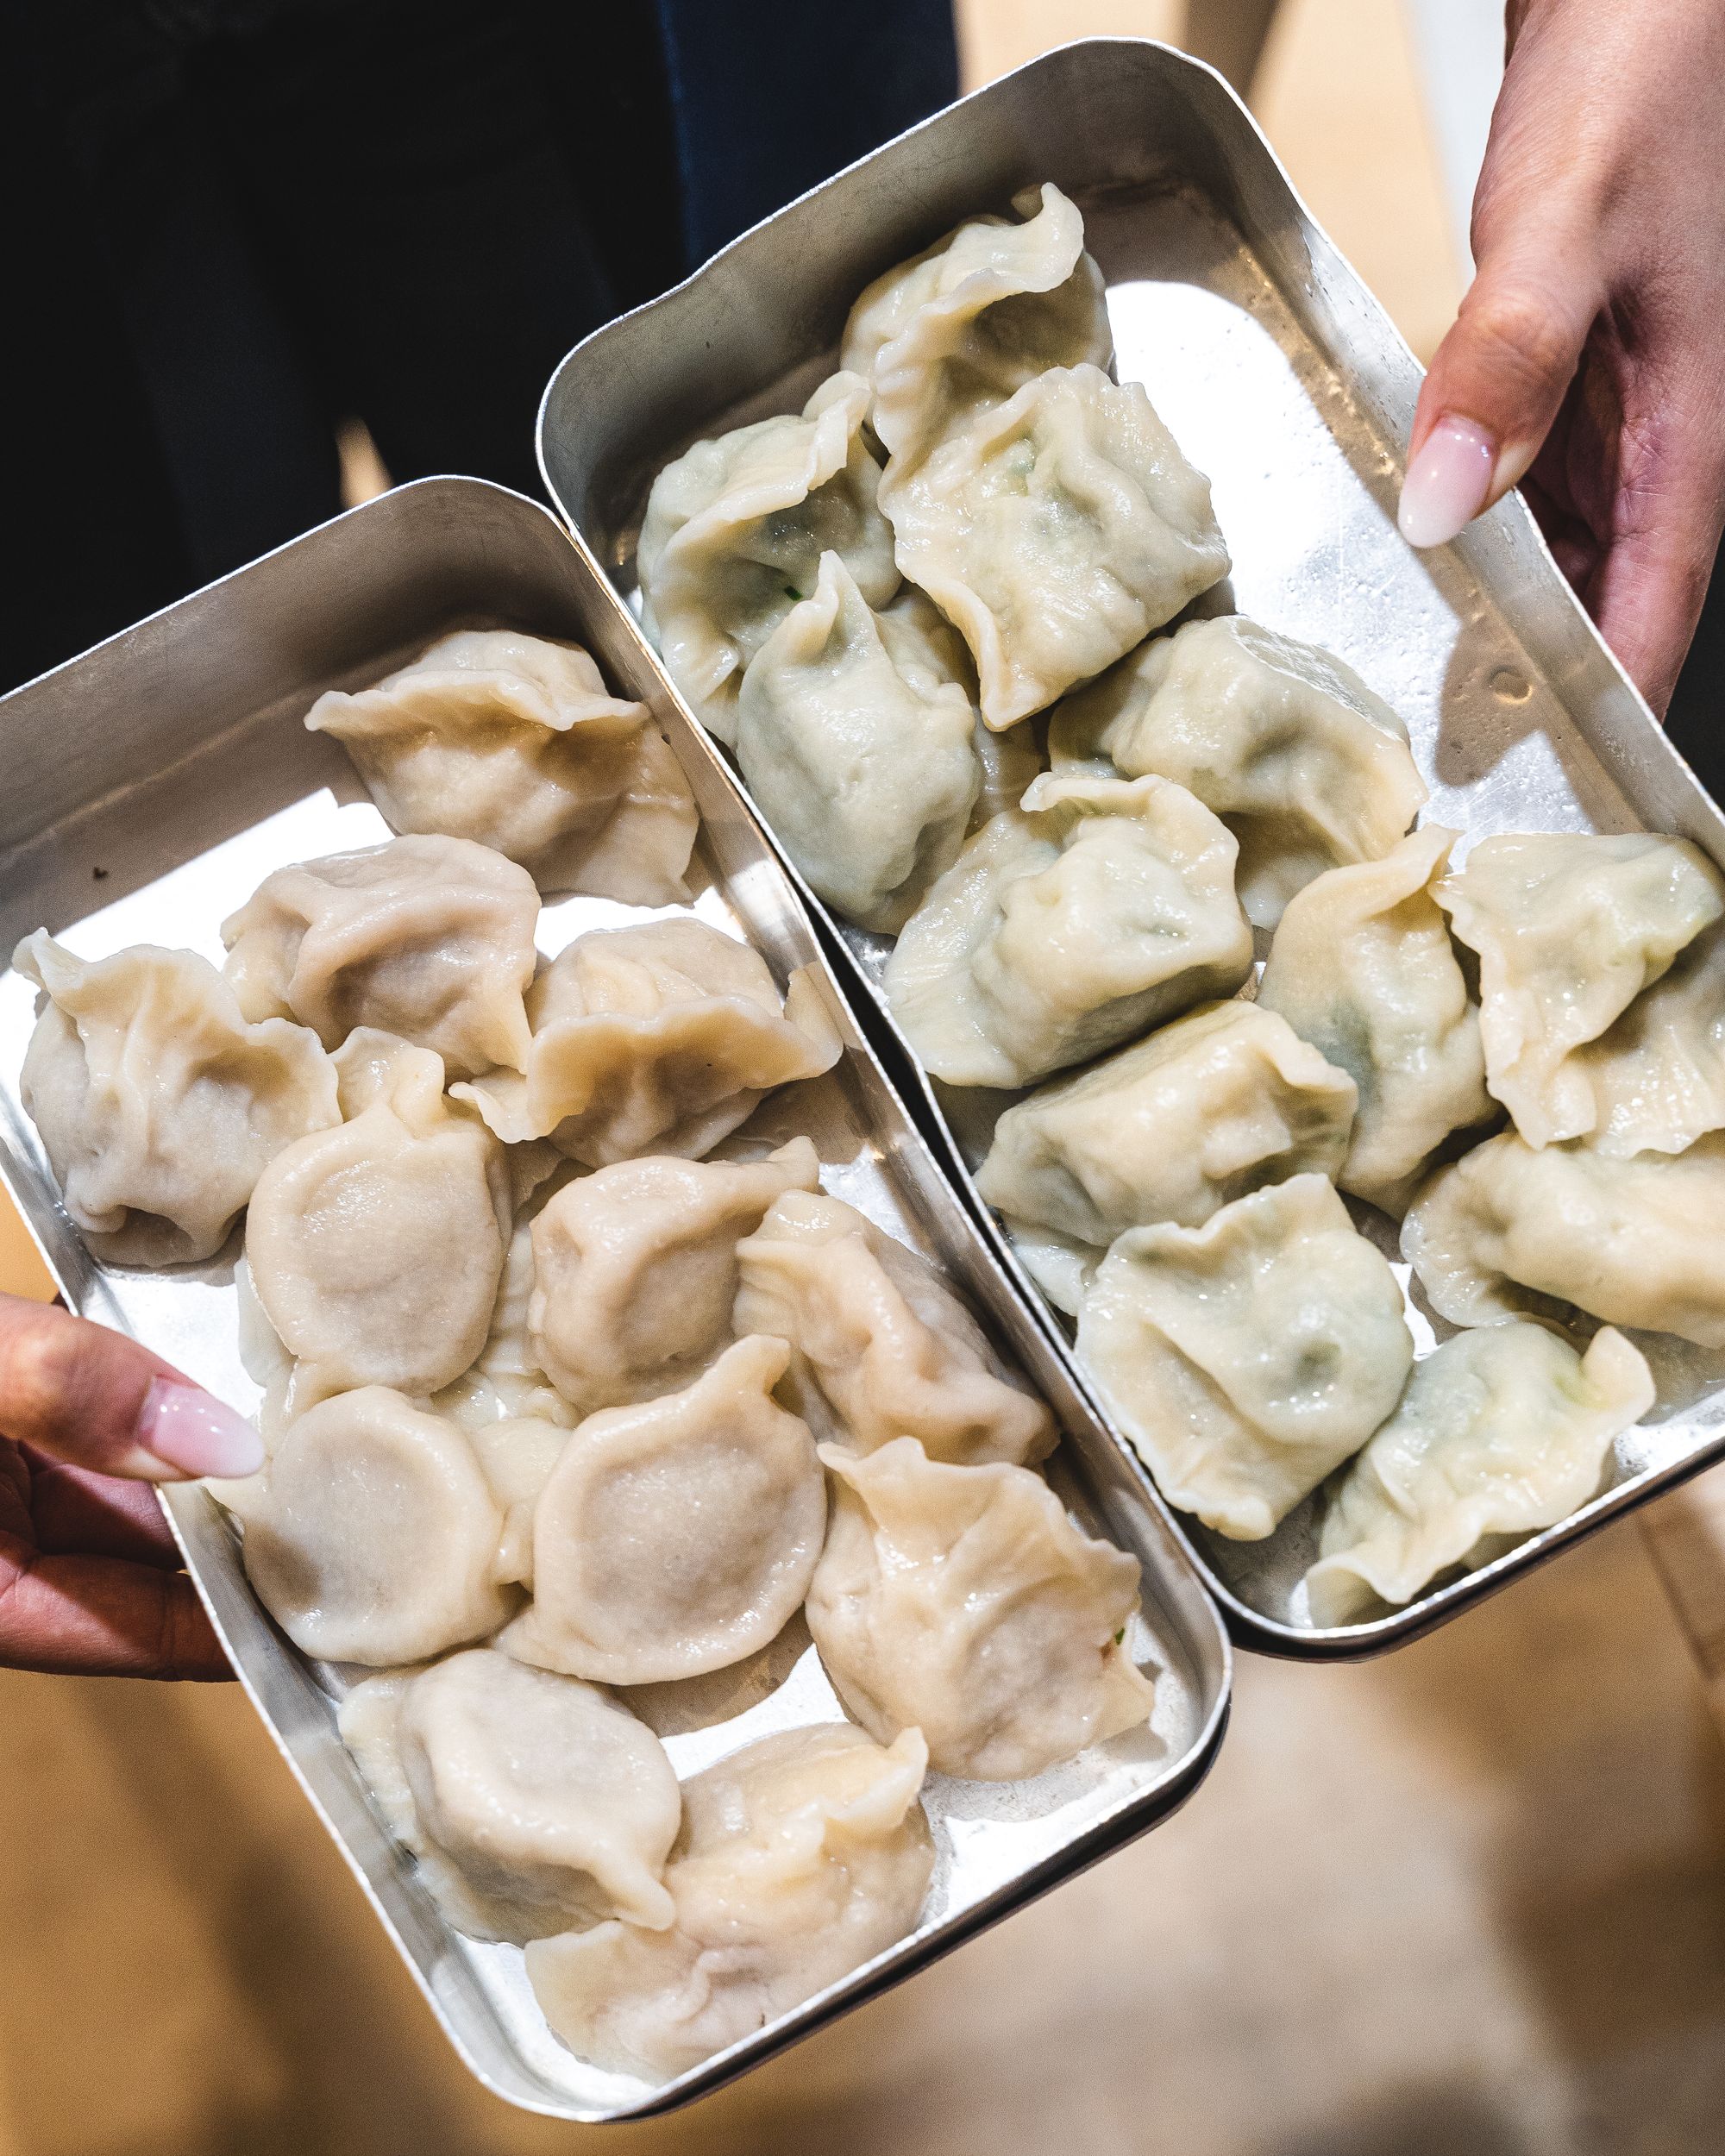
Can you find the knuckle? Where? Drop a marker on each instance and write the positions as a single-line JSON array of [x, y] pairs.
[[40, 1375], [1520, 331]]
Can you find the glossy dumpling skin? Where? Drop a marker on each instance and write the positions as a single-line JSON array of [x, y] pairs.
[[677, 1536], [961, 1601], [1223, 1101], [1055, 531], [430, 939], [1502, 1431], [160, 1106], [801, 1856], [733, 534], [1509, 1230], [858, 749], [1362, 967], [376, 1249], [657, 1039], [1571, 928], [1095, 910], [636, 1269], [515, 742], [882, 1349], [1307, 767], [1248, 1357], [532, 1802]]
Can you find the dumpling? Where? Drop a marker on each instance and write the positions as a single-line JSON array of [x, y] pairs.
[[516, 742], [1304, 764], [517, 1454], [801, 1856], [677, 1536], [1056, 530], [636, 1269], [657, 1039], [532, 1802], [880, 1347], [734, 532], [371, 1535], [1501, 1433], [1248, 1357], [376, 1249], [1094, 911], [1570, 927], [1362, 969], [159, 1105], [972, 319], [1508, 1230], [962, 1601], [859, 750], [1220, 1103], [505, 1381], [428, 938]]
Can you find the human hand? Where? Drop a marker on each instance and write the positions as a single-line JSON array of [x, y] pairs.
[[90, 1578], [1587, 354]]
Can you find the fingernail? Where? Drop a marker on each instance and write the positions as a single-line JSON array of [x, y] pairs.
[[1446, 484], [190, 1429]]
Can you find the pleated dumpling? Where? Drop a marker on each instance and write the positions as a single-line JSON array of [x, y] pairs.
[[636, 1269], [801, 1856], [734, 532], [1095, 910], [532, 1802], [962, 1601], [1056, 531], [1362, 967], [429, 938], [1501, 1433], [159, 1104], [1571, 928], [660, 1037], [1248, 1357], [1222, 1102], [1300, 760], [880, 1347], [515, 742]]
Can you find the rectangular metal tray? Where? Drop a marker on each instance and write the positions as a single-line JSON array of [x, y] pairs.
[[1282, 378], [152, 784]]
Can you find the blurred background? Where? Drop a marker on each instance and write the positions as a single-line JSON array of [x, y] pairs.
[[1468, 1900]]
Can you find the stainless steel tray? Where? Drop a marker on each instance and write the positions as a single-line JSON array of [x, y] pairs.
[[1284, 380], [151, 784]]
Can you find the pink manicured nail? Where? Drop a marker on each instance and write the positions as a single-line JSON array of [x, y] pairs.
[[1446, 484], [190, 1429]]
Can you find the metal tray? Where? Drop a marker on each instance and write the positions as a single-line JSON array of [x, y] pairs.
[[1284, 379], [151, 784]]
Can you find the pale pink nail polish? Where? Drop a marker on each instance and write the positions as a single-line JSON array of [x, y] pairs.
[[189, 1429], [1446, 484]]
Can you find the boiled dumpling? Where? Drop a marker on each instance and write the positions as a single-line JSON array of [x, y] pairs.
[[505, 1381], [1571, 928], [532, 1802], [801, 1856], [1362, 969], [1092, 913], [1305, 766], [1056, 530], [962, 1601], [1220, 1103], [515, 742], [1501, 1433], [1248, 1357], [1634, 1241], [636, 1269], [517, 1454], [882, 1348], [677, 1536], [429, 938], [159, 1106], [657, 1039], [734, 532]]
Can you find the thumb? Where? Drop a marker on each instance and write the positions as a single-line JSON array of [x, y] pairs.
[[97, 1400]]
